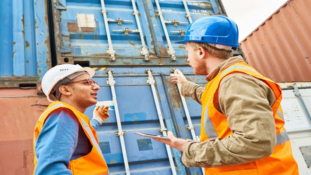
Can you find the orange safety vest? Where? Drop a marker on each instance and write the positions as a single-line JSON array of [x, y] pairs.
[[92, 163], [214, 125]]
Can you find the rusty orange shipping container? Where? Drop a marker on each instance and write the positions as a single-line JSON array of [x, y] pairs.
[[280, 48]]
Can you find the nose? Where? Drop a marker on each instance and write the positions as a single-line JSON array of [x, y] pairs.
[[96, 87]]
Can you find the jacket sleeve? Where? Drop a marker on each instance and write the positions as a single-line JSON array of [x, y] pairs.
[[95, 124], [247, 105], [189, 89], [56, 143]]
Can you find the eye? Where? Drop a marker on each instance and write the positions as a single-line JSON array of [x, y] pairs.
[[85, 82]]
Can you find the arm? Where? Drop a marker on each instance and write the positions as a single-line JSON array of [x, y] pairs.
[[188, 89], [95, 124], [56, 143], [245, 102]]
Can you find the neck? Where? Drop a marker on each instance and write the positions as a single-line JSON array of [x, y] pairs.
[[212, 63], [75, 105]]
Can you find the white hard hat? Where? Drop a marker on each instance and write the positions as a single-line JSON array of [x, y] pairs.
[[59, 72]]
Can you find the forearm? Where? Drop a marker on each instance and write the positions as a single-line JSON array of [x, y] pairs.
[[189, 89], [95, 124]]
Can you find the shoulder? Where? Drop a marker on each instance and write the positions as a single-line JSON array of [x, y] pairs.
[[242, 80], [62, 116]]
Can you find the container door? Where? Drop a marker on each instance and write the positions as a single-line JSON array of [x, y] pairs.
[[186, 115], [296, 106], [101, 31], [25, 43], [138, 112], [170, 19]]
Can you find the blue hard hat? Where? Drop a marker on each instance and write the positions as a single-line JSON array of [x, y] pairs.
[[214, 30]]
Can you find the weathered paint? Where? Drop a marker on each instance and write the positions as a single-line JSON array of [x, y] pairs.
[[90, 47], [24, 46], [20, 109], [280, 47]]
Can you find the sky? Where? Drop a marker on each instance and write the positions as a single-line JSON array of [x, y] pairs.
[[249, 14]]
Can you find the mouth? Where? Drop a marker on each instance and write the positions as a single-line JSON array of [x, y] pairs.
[[94, 95]]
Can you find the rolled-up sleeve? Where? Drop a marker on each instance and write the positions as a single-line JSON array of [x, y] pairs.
[[246, 104], [190, 89]]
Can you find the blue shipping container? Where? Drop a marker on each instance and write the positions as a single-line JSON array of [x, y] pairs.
[[129, 37], [25, 45], [125, 32], [137, 108]]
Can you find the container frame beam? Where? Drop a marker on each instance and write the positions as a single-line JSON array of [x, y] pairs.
[[151, 82], [110, 50], [171, 50], [111, 82]]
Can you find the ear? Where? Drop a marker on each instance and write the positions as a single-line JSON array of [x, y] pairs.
[[65, 90], [202, 53]]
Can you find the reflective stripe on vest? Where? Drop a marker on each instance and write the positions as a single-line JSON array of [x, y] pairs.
[[208, 126], [280, 114], [238, 67], [212, 134], [88, 130], [281, 138]]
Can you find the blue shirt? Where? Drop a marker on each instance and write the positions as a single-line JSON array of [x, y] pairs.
[[61, 139]]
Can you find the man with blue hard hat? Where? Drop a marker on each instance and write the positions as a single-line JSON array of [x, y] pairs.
[[242, 123]]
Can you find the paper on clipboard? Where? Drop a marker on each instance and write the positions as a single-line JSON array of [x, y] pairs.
[[106, 103], [152, 136]]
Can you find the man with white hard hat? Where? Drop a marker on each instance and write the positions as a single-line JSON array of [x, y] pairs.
[[242, 123], [65, 140]]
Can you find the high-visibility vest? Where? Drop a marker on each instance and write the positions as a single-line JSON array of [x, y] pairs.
[[92, 163], [214, 125]]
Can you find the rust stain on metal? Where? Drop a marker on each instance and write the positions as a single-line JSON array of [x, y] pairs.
[[163, 51], [23, 22], [87, 29], [72, 27], [27, 44], [182, 46], [205, 5], [175, 98], [279, 46], [132, 44], [14, 43]]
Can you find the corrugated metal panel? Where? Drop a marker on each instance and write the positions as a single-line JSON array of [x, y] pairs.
[[138, 113], [280, 48], [25, 45], [81, 33], [20, 109]]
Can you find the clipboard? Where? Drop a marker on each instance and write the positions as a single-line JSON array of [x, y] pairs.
[[152, 136]]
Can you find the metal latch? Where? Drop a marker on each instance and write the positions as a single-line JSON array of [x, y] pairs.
[[181, 32], [174, 22], [118, 20], [120, 133], [126, 31]]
